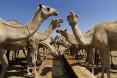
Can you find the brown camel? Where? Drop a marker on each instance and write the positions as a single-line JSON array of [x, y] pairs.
[[102, 36], [10, 33]]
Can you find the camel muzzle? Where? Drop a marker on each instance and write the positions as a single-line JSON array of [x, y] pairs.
[[55, 13]]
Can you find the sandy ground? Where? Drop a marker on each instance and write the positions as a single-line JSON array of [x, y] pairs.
[[17, 70]]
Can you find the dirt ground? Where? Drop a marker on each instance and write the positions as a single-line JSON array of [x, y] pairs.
[[17, 70]]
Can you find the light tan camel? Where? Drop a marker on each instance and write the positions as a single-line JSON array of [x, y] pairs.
[[102, 36], [37, 38], [10, 33]]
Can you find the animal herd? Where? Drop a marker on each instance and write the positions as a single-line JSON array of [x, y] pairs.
[[15, 36]]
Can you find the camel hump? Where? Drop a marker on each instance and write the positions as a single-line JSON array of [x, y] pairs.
[[13, 22], [10, 23], [114, 21], [4, 22]]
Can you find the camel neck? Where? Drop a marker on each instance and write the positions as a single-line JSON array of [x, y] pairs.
[[49, 31], [35, 22], [44, 35], [69, 37], [27, 30], [78, 35]]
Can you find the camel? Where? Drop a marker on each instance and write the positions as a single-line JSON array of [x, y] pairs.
[[12, 33], [102, 36], [32, 49], [37, 38]]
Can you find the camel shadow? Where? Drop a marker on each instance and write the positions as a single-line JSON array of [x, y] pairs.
[[114, 67], [16, 70], [45, 71], [75, 64]]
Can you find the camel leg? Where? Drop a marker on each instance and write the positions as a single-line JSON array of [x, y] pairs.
[[105, 62], [34, 58], [16, 54], [4, 64], [28, 62], [7, 55], [96, 57], [24, 53], [91, 58], [34, 63], [111, 59]]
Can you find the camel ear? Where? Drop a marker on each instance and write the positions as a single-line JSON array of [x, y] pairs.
[[55, 19], [40, 5]]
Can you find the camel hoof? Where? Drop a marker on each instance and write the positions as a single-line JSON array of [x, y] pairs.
[[29, 74]]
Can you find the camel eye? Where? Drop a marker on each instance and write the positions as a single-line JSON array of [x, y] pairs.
[[77, 16], [56, 20], [48, 9]]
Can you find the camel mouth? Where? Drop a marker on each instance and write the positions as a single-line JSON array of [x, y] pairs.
[[58, 31], [55, 13], [61, 20], [59, 25]]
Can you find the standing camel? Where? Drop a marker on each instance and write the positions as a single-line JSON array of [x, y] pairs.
[[33, 43], [11, 33], [102, 36]]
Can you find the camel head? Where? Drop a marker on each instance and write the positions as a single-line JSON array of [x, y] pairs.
[[47, 11], [59, 42], [62, 31], [56, 23], [72, 18]]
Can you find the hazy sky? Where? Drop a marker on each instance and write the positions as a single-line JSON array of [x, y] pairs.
[[91, 12]]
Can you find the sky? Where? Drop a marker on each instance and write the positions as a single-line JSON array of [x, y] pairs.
[[91, 12]]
